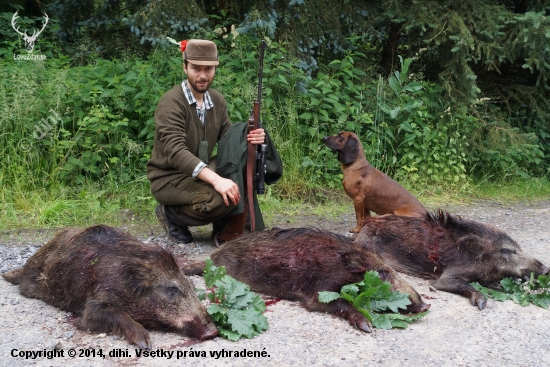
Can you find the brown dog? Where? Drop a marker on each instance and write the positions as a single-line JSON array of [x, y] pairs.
[[369, 188]]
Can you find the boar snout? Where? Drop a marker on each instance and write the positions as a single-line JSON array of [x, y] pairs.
[[418, 307], [210, 332], [200, 328], [545, 270]]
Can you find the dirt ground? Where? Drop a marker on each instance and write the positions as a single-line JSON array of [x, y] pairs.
[[454, 333]]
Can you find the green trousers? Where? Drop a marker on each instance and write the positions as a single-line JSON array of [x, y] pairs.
[[192, 202]]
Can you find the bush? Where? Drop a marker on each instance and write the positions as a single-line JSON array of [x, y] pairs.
[[66, 124]]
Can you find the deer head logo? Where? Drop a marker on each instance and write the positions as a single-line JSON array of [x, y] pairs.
[[29, 40]]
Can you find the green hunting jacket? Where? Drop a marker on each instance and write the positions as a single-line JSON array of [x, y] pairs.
[[231, 163], [178, 131]]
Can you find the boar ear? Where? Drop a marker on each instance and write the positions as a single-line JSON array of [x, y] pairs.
[[349, 153], [138, 283], [470, 243], [353, 261]]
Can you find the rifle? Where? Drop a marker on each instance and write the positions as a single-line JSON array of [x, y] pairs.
[[255, 167]]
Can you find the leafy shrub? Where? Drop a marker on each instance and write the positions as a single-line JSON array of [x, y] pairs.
[[502, 151], [427, 143], [105, 127], [337, 99]]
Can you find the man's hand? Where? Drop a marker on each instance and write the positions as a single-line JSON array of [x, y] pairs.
[[256, 136], [227, 188]]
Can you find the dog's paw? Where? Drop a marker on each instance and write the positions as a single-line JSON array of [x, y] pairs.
[[351, 235]]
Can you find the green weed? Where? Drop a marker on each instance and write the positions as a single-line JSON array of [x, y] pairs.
[[373, 298], [535, 291], [236, 311]]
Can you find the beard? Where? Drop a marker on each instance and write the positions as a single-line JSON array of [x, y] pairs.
[[200, 89]]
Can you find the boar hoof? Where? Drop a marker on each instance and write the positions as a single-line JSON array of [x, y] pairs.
[[358, 321], [136, 334], [355, 318], [363, 325], [143, 345], [479, 300]]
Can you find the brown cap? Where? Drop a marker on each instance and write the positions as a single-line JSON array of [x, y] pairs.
[[201, 52]]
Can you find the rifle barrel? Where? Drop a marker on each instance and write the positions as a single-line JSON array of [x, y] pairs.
[[260, 77]]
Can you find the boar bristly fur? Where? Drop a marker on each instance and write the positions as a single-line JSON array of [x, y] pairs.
[[297, 263], [453, 250], [115, 283]]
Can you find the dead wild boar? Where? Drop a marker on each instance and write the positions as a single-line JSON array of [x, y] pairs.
[[116, 283], [296, 264], [453, 250]]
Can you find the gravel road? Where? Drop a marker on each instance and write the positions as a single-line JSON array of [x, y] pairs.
[[454, 333]]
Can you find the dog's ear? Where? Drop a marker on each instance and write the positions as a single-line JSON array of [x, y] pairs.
[[349, 153]]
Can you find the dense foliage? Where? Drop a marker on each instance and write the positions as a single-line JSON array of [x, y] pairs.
[[442, 93]]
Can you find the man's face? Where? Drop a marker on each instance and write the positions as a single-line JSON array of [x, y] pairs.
[[200, 77]]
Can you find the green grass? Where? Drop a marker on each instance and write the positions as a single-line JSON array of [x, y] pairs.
[[85, 205], [116, 205], [531, 189]]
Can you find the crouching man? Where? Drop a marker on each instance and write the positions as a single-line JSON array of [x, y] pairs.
[[189, 120]]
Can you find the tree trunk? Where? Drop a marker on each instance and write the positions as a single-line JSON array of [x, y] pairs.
[[33, 7], [521, 7], [389, 51]]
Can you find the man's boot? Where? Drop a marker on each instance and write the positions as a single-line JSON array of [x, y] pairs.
[[178, 233]]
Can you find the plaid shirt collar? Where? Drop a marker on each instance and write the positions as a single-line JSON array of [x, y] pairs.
[[207, 101]]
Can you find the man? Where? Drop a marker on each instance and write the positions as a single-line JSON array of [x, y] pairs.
[[189, 120]]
